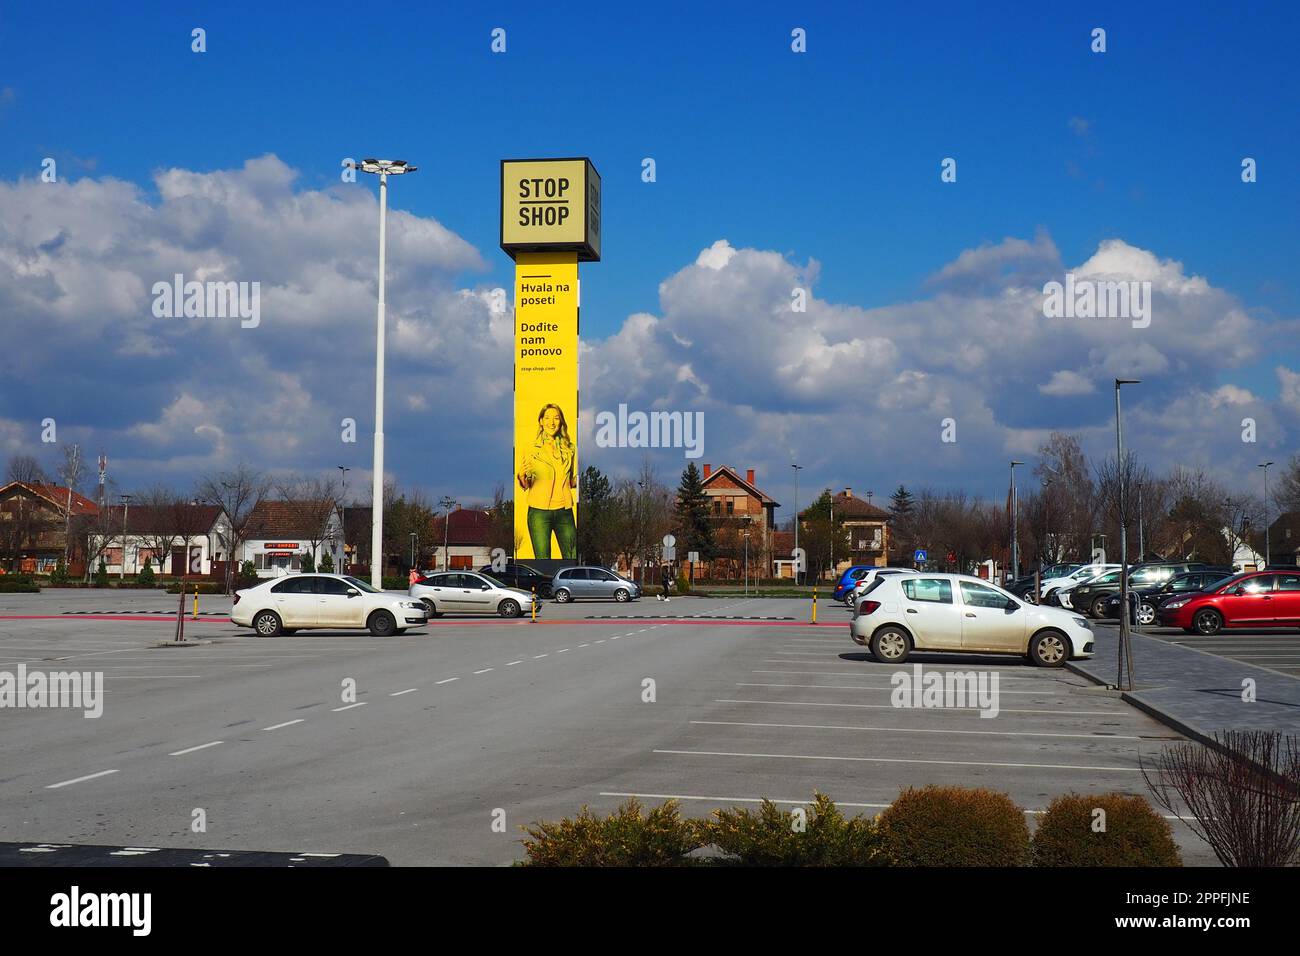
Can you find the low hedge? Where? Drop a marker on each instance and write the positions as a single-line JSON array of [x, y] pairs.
[[18, 584], [205, 587], [626, 837], [770, 837], [955, 826], [1133, 834]]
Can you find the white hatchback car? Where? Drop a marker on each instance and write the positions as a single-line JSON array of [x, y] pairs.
[[962, 613], [1059, 586], [297, 601]]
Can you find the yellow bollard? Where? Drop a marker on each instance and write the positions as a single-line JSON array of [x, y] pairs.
[[534, 589], [814, 617], [196, 602]]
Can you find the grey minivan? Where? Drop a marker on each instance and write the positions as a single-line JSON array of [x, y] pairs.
[[572, 584]]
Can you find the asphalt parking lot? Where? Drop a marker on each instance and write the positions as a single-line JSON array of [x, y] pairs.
[[465, 723], [1277, 650]]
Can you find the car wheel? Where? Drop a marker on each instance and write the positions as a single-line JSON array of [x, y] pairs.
[[1146, 614], [1049, 649], [1098, 609], [622, 596], [382, 624], [509, 608], [1207, 622], [891, 645], [268, 624], [562, 596], [433, 611]]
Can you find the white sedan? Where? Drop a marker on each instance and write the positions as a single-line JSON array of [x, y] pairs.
[[962, 613], [468, 592], [298, 601]]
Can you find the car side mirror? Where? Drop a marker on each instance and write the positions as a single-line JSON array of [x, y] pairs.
[[1238, 591], [353, 592], [1011, 605], [485, 587]]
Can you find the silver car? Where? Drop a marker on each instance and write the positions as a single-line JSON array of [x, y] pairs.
[[572, 584], [470, 592]]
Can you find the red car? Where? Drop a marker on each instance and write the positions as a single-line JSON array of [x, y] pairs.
[[1251, 599]]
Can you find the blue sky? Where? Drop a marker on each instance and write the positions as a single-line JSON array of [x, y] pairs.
[[830, 156]]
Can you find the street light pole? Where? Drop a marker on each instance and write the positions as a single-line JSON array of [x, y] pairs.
[[383, 168], [1125, 652], [1015, 521], [126, 506], [795, 554], [343, 514], [447, 503], [1265, 466]]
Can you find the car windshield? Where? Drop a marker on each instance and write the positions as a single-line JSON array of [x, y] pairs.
[[358, 583]]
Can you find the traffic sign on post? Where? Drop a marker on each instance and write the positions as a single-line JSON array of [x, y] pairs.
[[670, 548], [693, 557], [919, 556]]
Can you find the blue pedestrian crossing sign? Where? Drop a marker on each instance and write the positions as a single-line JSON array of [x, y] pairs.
[[919, 556]]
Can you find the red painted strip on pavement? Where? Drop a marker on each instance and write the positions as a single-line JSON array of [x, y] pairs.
[[160, 618]]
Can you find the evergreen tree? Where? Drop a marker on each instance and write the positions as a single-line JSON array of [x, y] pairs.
[[101, 575], [596, 517], [308, 564], [901, 506], [326, 563], [146, 577], [694, 527]]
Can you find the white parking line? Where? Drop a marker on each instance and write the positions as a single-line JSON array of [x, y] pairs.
[[513, 663], [190, 750], [1001, 676], [89, 776], [538, 657], [448, 680], [945, 710], [945, 763], [601, 641], [484, 670], [339, 710], [1027, 693], [562, 650], [914, 730], [409, 690], [287, 723], [584, 645]]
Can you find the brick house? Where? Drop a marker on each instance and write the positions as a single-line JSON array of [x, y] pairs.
[[34, 519], [279, 534], [465, 545], [865, 527], [737, 506]]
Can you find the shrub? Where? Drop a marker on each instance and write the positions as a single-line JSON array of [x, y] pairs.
[[146, 576], [1134, 834], [1243, 794], [683, 583], [394, 582], [18, 584], [246, 577], [308, 564], [624, 838], [326, 563], [101, 574], [954, 826], [59, 576], [770, 837]]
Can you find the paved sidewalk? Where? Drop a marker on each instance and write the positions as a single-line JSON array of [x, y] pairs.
[[1194, 692]]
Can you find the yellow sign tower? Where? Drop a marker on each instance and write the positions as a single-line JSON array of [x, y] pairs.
[[550, 221]]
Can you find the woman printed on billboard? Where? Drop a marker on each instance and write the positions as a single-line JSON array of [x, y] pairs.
[[549, 476]]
